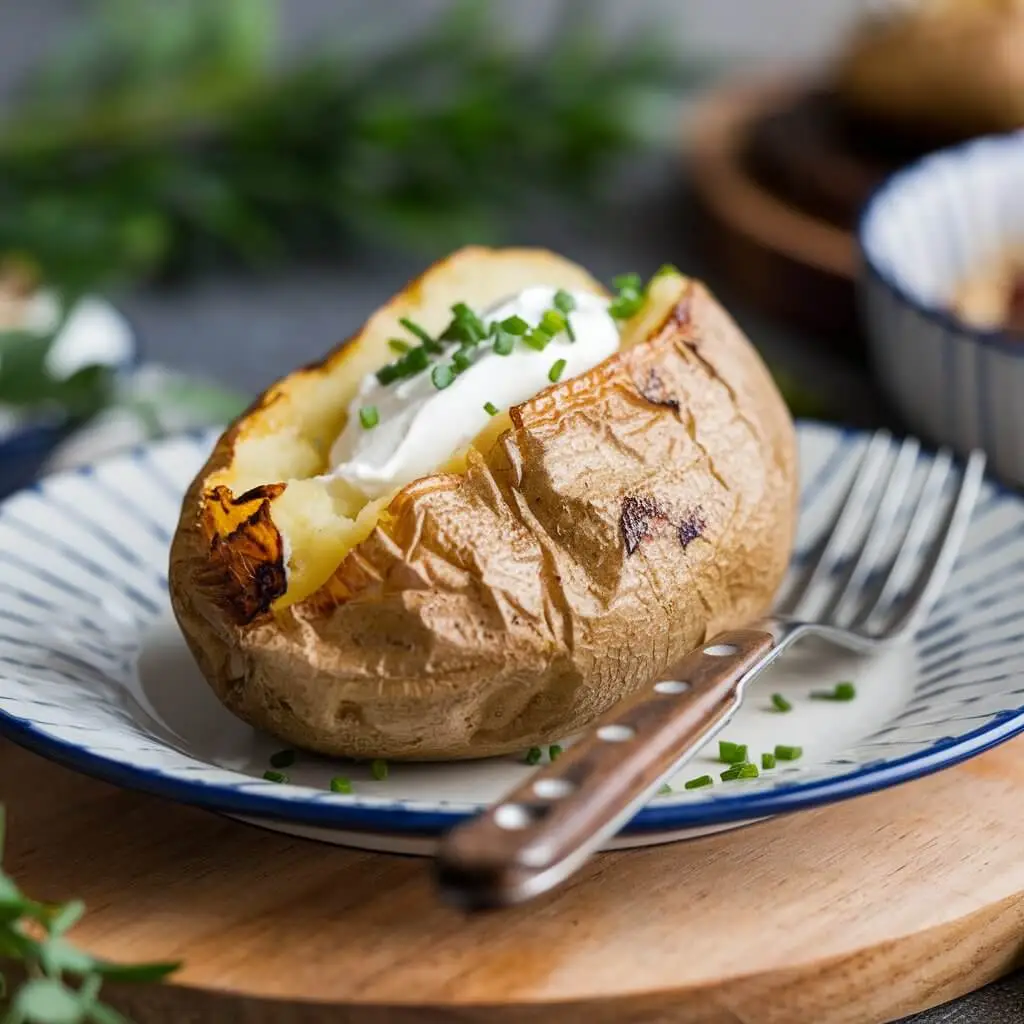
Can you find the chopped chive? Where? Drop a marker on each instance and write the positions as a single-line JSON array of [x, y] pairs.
[[415, 329], [399, 346], [767, 761], [490, 408], [552, 322], [515, 325], [628, 282], [504, 343], [442, 376], [784, 753], [564, 302], [626, 305], [780, 703], [533, 755], [414, 361], [462, 360], [740, 771], [555, 373], [732, 753], [842, 691], [699, 782], [339, 784], [389, 373], [537, 339], [271, 776], [369, 417], [379, 769], [282, 759], [554, 752], [664, 789]]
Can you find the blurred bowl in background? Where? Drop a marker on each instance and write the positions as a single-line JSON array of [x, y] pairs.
[[95, 333], [926, 231]]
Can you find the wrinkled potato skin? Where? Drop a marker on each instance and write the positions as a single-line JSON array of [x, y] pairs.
[[630, 513]]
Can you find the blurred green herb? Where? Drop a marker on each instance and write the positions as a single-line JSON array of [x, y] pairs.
[[61, 983], [163, 136]]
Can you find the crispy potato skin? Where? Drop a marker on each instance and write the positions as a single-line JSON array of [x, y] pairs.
[[628, 514]]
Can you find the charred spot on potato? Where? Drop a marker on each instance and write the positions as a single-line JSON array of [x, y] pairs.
[[652, 388], [638, 512], [682, 311], [692, 527], [246, 551]]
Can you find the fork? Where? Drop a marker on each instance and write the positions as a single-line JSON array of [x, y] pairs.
[[858, 590]]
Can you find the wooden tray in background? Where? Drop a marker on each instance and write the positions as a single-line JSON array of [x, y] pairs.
[[780, 176], [853, 914]]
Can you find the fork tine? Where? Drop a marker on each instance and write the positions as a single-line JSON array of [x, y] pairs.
[[883, 521], [853, 507], [937, 567], [922, 520]]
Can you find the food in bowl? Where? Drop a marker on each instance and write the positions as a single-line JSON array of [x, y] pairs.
[[509, 500], [992, 297], [946, 70]]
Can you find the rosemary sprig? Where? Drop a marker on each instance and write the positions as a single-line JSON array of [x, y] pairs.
[[167, 136], [61, 982]]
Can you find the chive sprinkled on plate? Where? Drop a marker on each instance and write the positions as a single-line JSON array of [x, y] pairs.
[[767, 761], [664, 789], [442, 376], [339, 784], [490, 408], [841, 691], [784, 753], [555, 751], [533, 755], [556, 371], [699, 783], [780, 703], [379, 769], [399, 346], [731, 753], [740, 771], [369, 417], [282, 759], [272, 776]]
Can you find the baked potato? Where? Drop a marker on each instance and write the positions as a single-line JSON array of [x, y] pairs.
[[585, 540]]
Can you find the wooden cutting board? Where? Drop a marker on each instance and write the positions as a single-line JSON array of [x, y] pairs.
[[850, 914]]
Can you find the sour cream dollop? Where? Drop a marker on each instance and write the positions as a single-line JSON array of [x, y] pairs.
[[420, 427]]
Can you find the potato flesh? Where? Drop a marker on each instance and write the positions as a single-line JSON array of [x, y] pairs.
[[288, 438]]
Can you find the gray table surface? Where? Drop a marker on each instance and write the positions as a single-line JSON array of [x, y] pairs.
[[248, 331]]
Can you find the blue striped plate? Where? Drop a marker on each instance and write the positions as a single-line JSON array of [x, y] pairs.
[[94, 674]]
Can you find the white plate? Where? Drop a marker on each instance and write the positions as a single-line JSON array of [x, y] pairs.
[[94, 673]]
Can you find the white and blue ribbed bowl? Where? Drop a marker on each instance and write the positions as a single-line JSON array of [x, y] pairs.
[[922, 232]]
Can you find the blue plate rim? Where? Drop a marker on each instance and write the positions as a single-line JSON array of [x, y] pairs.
[[338, 813]]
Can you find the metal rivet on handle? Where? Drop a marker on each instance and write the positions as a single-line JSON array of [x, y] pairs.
[[671, 686], [552, 789], [511, 817], [615, 733], [721, 650]]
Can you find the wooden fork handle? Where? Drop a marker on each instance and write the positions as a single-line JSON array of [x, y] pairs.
[[541, 831]]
